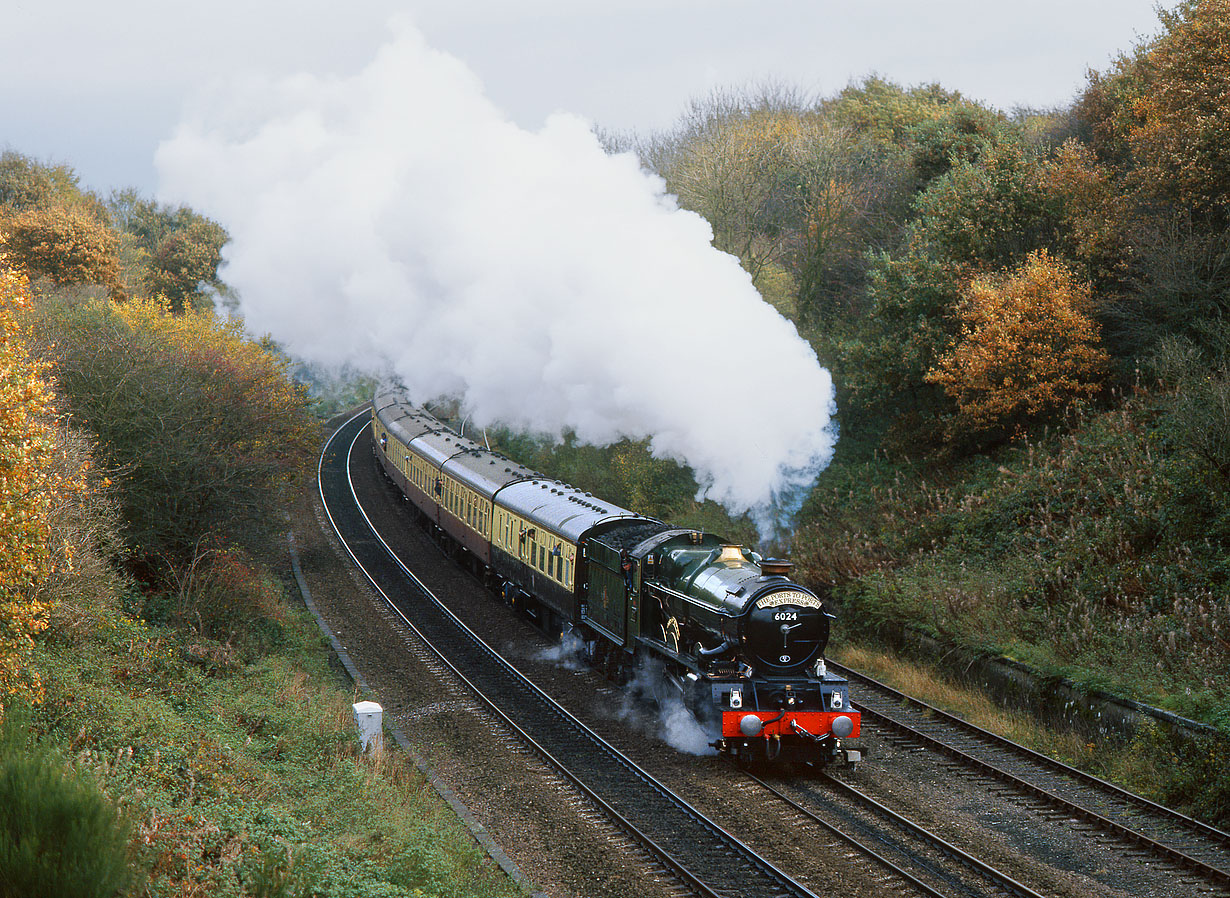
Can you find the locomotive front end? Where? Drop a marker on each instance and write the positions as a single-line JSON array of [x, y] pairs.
[[758, 640], [786, 705]]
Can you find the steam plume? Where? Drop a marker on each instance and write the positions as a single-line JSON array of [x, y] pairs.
[[397, 219]]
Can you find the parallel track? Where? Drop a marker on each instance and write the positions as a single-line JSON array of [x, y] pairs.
[[932, 865], [702, 854], [1195, 847]]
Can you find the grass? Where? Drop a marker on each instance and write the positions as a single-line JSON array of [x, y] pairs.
[[1188, 776], [1098, 554], [243, 777]]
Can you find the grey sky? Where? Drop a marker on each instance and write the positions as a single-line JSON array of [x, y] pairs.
[[99, 85]]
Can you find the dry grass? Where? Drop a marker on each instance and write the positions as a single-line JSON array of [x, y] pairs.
[[1116, 761]]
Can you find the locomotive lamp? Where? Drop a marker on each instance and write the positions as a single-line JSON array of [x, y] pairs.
[[750, 725]]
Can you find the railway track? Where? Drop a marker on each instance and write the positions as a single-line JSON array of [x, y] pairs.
[[1200, 851], [704, 856], [914, 855]]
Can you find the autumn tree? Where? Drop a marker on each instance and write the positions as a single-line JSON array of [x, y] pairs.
[[203, 425], [66, 245], [731, 172], [1028, 347], [1180, 142], [54, 229], [785, 191], [979, 216], [26, 488], [176, 250]]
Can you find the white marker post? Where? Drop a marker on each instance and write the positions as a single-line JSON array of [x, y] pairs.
[[368, 718]]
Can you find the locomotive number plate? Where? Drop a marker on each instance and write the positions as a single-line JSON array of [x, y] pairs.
[[788, 597]]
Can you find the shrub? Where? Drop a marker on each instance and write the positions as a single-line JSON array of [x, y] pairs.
[[59, 835], [203, 425], [1028, 348]]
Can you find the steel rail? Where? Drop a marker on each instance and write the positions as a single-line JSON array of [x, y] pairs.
[[998, 877], [995, 741], [781, 882], [862, 847]]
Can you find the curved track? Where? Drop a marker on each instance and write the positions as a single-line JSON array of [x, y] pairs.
[[1194, 847], [708, 859]]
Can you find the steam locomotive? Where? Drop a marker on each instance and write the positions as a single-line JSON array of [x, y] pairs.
[[741, 643]]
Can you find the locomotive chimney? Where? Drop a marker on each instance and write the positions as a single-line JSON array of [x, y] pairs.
[[776, 567]]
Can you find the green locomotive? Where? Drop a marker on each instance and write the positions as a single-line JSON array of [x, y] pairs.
[[742, 643]]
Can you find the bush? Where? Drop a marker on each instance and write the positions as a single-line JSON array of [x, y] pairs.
[[59, 835], [202, 425], [1027, 350]]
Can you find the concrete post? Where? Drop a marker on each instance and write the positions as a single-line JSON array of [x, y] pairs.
[[368, 718]]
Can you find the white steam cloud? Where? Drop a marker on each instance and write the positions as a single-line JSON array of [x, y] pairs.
[[397, 219]]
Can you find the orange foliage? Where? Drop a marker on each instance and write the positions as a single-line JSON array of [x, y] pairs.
[[1027, 348], [1180, 138], [67, 245], [28, 488]]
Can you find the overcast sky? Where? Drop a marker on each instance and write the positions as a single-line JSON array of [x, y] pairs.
[[99, 85]]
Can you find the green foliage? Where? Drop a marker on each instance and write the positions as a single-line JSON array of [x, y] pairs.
[[961, 134], [1099, 553], [59, 835], [980, 216], [885, 111], [1199, 771], [1196, 408], [1180, 289], [992, 212], [28, 184], [203, 426], [243, 776], [178, 249]]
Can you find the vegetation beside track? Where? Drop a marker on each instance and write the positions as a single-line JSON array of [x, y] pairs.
[[169, 721], [1024, 314]]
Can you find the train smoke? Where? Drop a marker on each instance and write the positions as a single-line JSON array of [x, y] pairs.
[[396, 220]]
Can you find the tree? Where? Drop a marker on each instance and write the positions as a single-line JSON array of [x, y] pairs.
[[885, 111], [732, 173], [962, 132], [26, 488], [28, 184], [786, 191], [66, 245], [979, 216], [177, 250], [203, 425], [1180, 141], [1027, 349], [1157, 117]]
